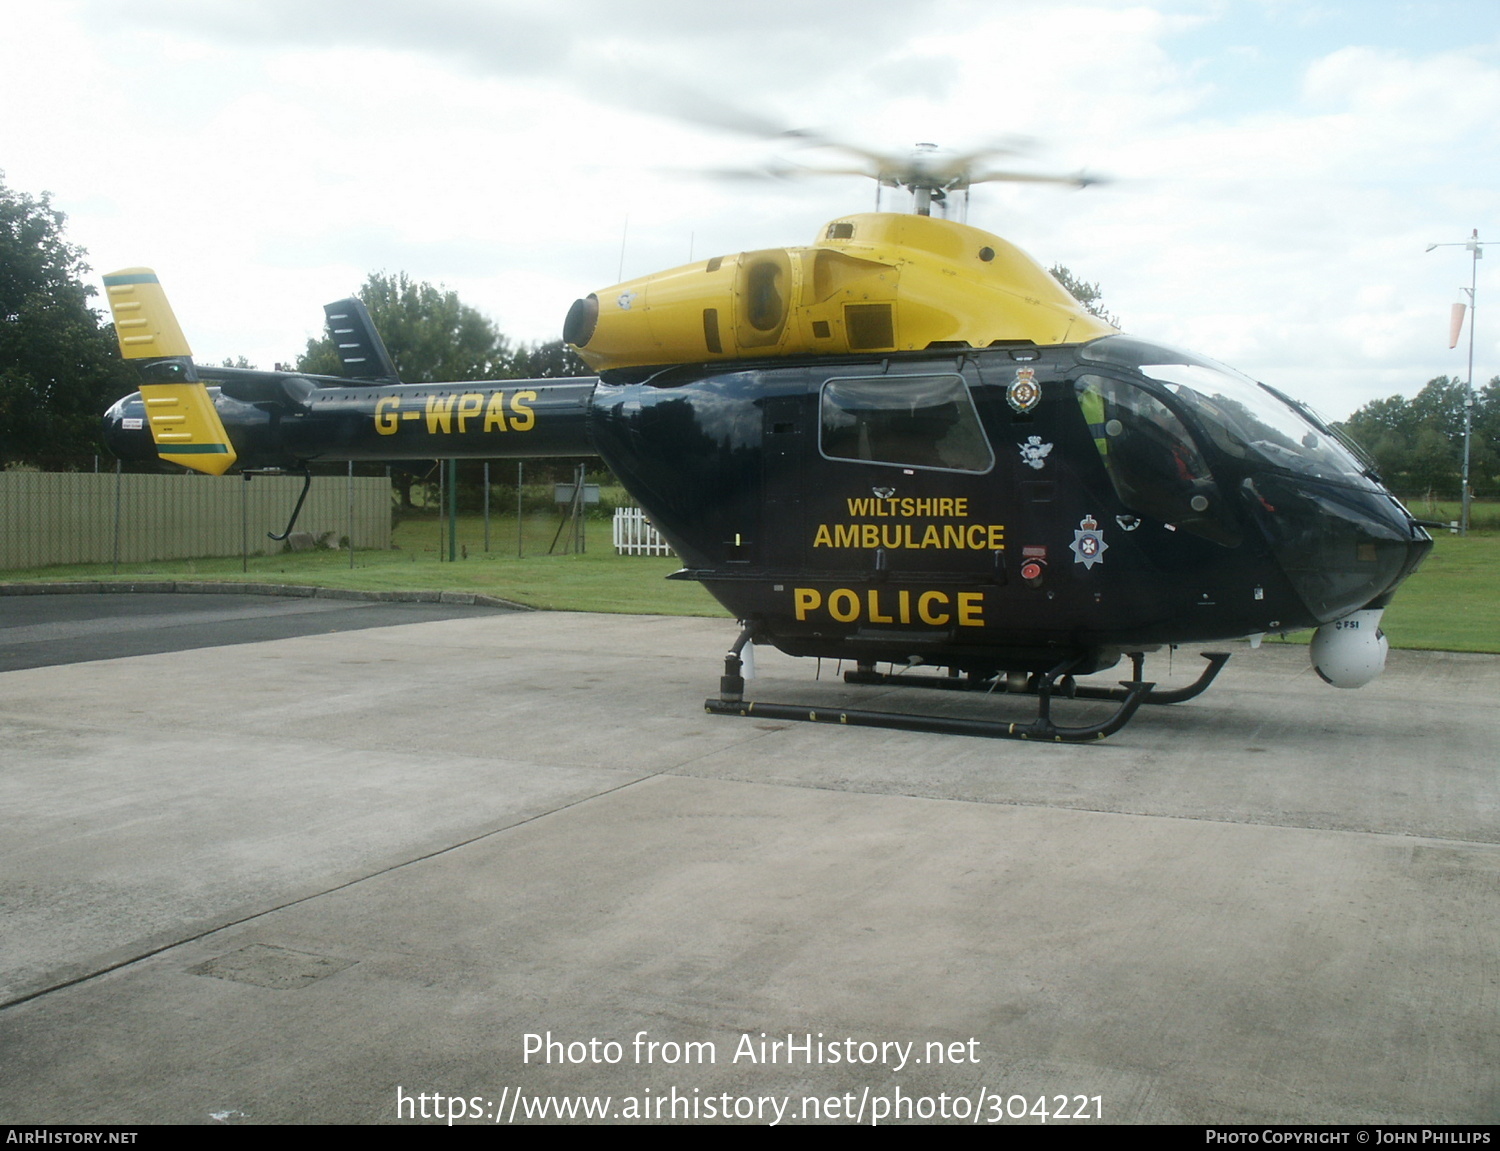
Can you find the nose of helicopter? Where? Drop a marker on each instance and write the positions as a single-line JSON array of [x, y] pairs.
[[1350, 651], [1342, 548]]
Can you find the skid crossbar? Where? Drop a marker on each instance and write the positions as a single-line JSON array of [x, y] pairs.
[[1132, 694]]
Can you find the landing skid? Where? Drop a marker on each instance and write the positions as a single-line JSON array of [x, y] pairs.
[[1065, 686], [1059, 681]]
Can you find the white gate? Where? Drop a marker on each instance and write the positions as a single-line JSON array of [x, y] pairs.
[[634, 535]]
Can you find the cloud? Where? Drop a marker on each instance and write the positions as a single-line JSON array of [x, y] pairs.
[[504, 37], [1273, 204], [518, 38]]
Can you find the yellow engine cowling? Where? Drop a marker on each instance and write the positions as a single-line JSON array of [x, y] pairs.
[[874, 282]]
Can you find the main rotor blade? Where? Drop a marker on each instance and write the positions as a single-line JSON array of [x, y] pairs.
[[1077, 180]]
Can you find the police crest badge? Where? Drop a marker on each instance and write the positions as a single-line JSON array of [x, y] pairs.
[[1088, 544]]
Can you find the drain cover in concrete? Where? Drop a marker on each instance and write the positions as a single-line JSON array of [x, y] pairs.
[[279, 968]]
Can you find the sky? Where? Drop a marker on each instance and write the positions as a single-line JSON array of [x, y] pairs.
[[1276, 169]]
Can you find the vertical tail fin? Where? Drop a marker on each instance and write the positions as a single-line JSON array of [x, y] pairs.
[[360, 348]]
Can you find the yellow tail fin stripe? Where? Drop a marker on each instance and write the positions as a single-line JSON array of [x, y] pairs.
[[153, 329], [187, 428]]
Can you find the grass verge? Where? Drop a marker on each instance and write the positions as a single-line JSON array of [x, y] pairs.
[[598, 580], [1451, 604]]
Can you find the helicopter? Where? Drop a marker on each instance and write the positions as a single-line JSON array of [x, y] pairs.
[[904, 444]]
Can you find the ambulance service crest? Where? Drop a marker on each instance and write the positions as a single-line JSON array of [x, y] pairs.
[[1088, 544], [1034, 453], [1023, 392]]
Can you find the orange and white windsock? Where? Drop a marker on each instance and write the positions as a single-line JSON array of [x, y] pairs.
[[1455, 324]]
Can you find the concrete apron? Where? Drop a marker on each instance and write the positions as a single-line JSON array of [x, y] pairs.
[[331, 879]]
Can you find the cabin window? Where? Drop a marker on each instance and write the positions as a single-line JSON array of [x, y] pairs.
[[1152, 460], [904, 421], [1245, 420]]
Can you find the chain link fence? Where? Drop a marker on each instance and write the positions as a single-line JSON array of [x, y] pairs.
[[49, 518]]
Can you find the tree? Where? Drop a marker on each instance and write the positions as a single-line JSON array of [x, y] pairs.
[[549, 361], [1085, 293], [1440, 406], [432, 336], [59, 365], [1487, 414], [1417, 444]]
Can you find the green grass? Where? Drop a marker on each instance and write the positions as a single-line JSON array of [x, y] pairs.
[[1453, 601], [1484, 515], [1451, 604], [598, 580]]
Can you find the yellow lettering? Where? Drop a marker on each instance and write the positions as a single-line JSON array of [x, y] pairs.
[[945, 507], [439, 414], [470, 404], [859, 507], [524, 418], [971, 609], [806, 599], [386, 424], [494, 415], [892, 536], [928, 597], [908, 507], [961, 507], [850, 612], [934, 608]]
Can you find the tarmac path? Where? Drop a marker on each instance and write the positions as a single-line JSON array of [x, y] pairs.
[[44, 630]]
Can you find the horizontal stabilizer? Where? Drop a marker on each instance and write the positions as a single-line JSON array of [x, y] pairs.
[[144, 323], [184, 422], [187, 428]]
